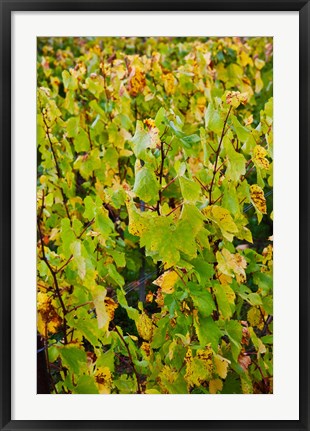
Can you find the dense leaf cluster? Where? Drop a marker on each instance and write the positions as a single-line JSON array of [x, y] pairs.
[[154, 214]]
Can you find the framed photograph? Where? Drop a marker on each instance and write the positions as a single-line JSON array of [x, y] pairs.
[[154, 203]]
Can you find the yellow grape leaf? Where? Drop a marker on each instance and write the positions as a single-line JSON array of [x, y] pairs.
[[167, 377], [149, 297], [169, 83], [152, 391], [137, 223], [167, 281], [232, 264], [249, 120], [149, 122], [254, 317], [144, 327], [159, 298], [221, 366], [245, 233], [259, 64], [259, 84], [153, 133], [230, 294], [171, 349], [105, 308], [267, 253], [146, 349], [101, 312], [198, 369], [103, 379], [258, 198], [48, 318], [224, 279], [246, 384], [223, 219], [206, 355], [234, 98], [136, 82], [215, 386], [259, 157], [110, 306]]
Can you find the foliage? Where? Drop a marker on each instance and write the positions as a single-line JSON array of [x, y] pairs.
[[155, 174]]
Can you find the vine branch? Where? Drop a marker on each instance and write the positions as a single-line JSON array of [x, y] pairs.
[[217, 156], [64, 198], [130, 357]]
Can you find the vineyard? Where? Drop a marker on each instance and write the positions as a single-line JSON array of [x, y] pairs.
[[154, 215]]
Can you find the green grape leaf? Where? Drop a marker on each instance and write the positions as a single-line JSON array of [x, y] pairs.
[[160, 240], [70, 82], [114, 274], [76, 249], [146, 186], [90, 208], [242, 132], [224, 301], [119, 258], [223, 219], [81, 141], [73, 127], [235, 163], [67, 237], [202, 299], [189, 189], [103, 222], [207, 331], [133, 313], [263, 281], [213, 120], [73, 358], [234, 332], [142, 142], [203, 269], [86, 385]]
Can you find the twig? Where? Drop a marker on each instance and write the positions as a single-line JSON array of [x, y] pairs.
[[174, 209], [220, 197], [202, 185], [161, 174], [217, 156], [64, 198], [47, 359], [53, 273], [267, 323], [170, 182], [78, 306], [71, 257], [130, 357]]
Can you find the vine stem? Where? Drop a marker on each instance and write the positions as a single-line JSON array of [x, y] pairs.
[[57, 289], [170, 182], [217, 156], [53, 273], [47, 359], [56, 165], [161, 174], [174, 209], [78, 237], [130, 357]]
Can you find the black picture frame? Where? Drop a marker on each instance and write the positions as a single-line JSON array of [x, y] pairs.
[[7, 7]]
